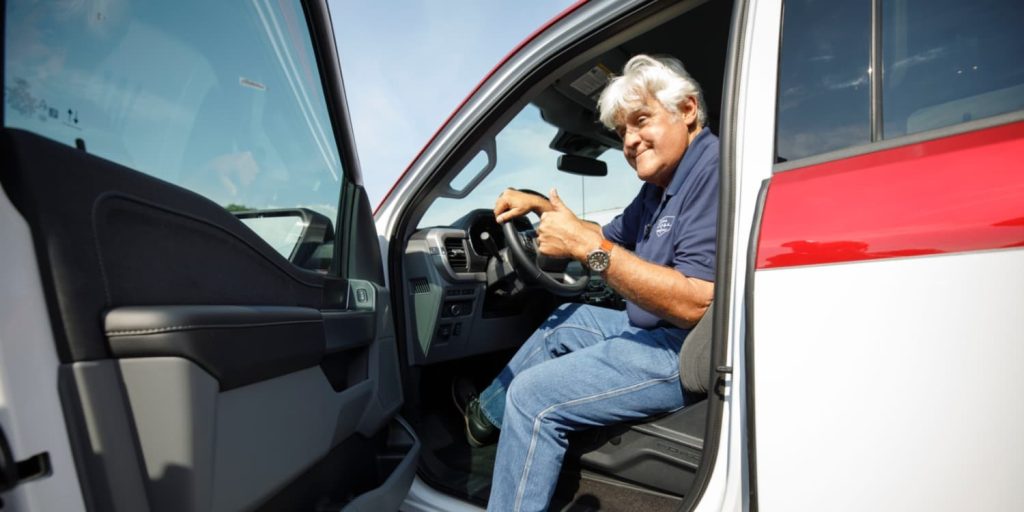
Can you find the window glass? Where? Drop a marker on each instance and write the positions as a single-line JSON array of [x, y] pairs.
[[950, 61], [223, 98], [524, 160], [824, 81]]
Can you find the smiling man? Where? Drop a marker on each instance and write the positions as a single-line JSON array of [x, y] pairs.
[[588, 366]]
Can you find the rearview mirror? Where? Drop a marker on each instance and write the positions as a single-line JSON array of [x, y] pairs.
[[582, 166]]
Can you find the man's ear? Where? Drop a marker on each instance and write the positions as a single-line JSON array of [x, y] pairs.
[[688, 110]]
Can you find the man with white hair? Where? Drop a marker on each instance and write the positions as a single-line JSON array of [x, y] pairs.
[[587, 366]]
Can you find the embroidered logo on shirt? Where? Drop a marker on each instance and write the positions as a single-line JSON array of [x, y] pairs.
[[664, 225]]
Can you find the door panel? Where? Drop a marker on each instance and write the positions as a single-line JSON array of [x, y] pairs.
[[237, 345], [201, 370], [900, 375], [886, 303]]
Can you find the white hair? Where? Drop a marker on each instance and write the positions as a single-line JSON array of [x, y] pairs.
[[662, 78]]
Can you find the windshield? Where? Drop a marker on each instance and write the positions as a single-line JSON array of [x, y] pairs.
[[525, 161]]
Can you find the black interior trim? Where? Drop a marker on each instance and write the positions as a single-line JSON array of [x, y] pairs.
[[349, 329], [321, 31], [238, 345], [755, 235], [348, 252], [107, 236], [662, 454]]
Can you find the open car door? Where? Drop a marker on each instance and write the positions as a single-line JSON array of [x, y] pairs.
[[887, 274], [198, 359]]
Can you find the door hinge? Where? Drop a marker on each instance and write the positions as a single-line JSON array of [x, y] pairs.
[[724, 370]]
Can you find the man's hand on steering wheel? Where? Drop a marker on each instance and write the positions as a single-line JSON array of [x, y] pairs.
[[514, 203], [562, 234]]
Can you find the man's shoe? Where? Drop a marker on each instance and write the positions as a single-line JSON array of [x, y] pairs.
[[479, 430]]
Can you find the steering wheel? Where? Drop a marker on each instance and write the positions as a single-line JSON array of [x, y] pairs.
[[530, 264]]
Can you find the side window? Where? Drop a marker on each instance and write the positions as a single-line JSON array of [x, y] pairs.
[[824, 82], [943, 62], [948, 62], [222, 98]]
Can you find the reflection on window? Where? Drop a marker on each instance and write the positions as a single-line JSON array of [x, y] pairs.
[[524, 160], [824, 85], [948, 61], [223, 98]]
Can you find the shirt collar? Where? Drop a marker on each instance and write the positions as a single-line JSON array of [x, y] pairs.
[[689, 160]]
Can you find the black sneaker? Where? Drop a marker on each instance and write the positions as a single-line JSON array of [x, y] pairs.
[[479, 430]]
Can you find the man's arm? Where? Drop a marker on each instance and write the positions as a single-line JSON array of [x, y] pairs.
[[661, 290]]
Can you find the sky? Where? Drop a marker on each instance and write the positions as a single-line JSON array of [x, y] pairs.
[[233, 111], [408, 64]]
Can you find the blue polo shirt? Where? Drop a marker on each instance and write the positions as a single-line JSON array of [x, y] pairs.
[[676, 228]]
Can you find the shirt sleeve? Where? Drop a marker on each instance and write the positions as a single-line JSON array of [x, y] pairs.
[[695, 243], [624, 228]]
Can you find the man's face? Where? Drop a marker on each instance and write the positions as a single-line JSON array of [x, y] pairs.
[[654, 139]]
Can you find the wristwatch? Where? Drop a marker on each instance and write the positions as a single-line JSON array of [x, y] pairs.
[[599, 259]]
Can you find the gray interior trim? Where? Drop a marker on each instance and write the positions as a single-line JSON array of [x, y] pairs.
[[695, 356], [170, 397], [102, 435], [242, 446], [308, 419], [896, 142], [238, 345], [435, 238], [390, 494]]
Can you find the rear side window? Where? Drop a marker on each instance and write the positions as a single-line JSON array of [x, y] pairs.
[[223, 98], [824, 85], [950, 61], [943, 62]]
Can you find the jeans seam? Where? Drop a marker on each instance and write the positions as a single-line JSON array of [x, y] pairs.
[[520, 489], [580, 327]]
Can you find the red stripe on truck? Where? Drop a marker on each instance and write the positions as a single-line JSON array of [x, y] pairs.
[[959, 193]]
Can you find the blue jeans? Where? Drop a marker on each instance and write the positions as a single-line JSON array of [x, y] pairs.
[[584, 367]]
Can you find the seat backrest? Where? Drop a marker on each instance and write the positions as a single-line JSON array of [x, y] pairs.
[[695, 357]]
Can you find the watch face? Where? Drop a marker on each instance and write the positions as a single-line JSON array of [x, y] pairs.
[[597, 260]]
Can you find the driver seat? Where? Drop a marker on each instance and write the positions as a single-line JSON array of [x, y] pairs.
[[663, 452]]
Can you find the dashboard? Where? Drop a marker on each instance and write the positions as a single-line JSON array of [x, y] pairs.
[[465, 299]]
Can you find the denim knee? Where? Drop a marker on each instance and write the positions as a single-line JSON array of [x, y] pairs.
[[526, 395]]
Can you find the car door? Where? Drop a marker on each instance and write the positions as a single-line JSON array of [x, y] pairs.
[[888, 265], [201, 319]]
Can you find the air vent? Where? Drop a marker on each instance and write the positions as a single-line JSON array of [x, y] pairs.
[[455, 251], [419, 286]]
